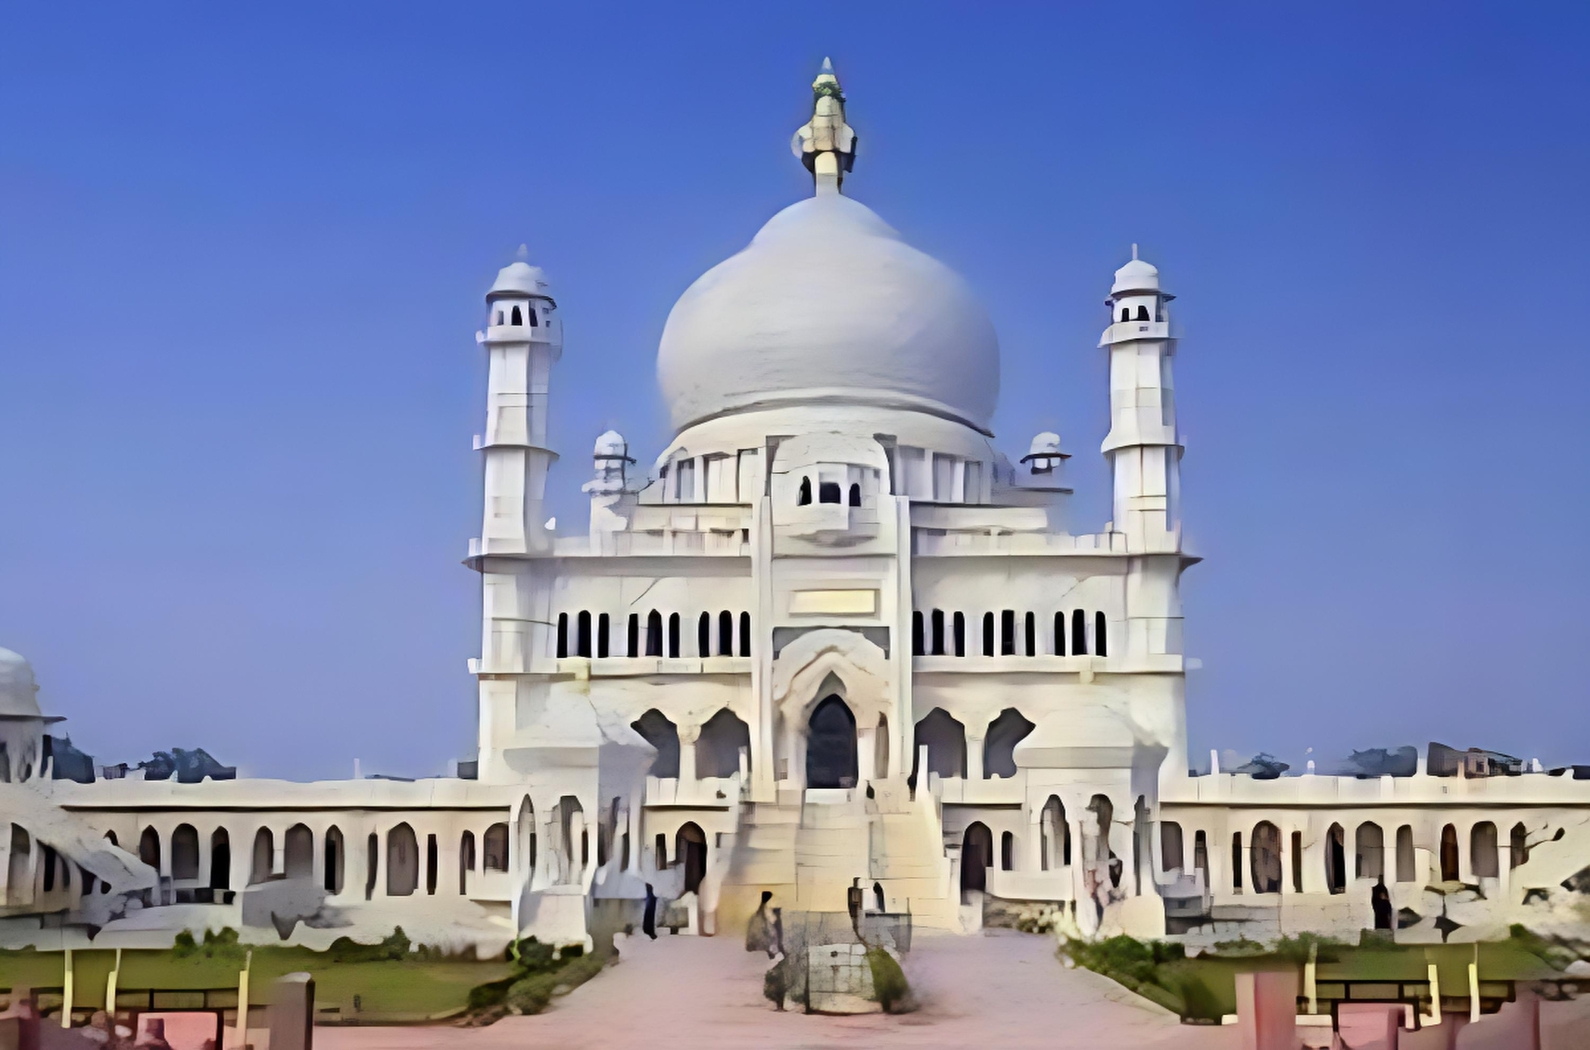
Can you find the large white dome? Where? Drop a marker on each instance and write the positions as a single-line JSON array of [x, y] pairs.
[[827, 304]]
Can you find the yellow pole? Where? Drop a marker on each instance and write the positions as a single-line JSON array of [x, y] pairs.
[[242, 1001], [1474, 985], [110, 988], [1435, 995], [66, 993], [1310, 985]]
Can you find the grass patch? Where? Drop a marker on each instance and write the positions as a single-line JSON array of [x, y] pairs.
[[538, 972], [889, 985], [408, 986]]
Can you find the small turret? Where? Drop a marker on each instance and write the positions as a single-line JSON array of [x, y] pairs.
[[1044, 455], [611, 493]]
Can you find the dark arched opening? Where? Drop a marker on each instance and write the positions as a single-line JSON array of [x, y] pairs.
[[958, 633], [466, 861], [745, 634], [803, 496], [1449, 854], [264, 857], [831, 745], [1101, 635], [582, 634], [494, 847], [149, 848], [988, 634], [828, 492], [1405, 861], [603, 630], [1518, 845], [690, 850], [673, 636], [1056, 832], [654, 633], [1336, 859], [663, 735], [945, 739], [402, 861], [855, 494], [1142, 313], [704, 634], [184, 852], [1007, 851], [1030, 635], [220, 860], [725, 633], [936, 632], [334, 855], [999, 746], [1059, 634], [977, 853], [516, 317], [1265, 858], [723, 738], [1079, 633], [563, 635], [1483, 853], [298, 852], [632, 639], [917, 646]]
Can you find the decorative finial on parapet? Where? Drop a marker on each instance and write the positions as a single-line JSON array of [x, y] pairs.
[[1134, 249], [826, 144], [523, 254]]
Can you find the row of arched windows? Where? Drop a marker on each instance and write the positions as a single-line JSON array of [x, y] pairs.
[[517, 317], [827, 492], [1011, 634], [715, 635], [1142, 314], [1263, 867]]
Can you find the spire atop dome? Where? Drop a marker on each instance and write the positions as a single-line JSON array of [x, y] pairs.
[[826, 144]]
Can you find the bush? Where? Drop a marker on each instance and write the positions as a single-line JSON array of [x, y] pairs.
[[1297, 949], [390, 948], [889, 985], [532, 993]]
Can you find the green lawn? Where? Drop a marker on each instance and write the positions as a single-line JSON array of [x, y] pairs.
[[410, 989]]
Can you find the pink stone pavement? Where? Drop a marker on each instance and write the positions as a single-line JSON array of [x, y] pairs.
[[999, 991]]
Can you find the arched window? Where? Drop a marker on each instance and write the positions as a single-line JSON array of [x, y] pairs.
[[916, 633], [563, 635], [673, 635], [1101, 635], [1030, 625], [1079, 633], [999, 746], [184, 852], [745, 634], [466, 861], [1007, 633], [632, 641], [582, 634], [654, 633], [531, 311], [1007, 852], [220, 860], [977, 854], [494, 848], [945, 739], [1518, 845], [704, 635], [601, 636], [804, 496], [1336, 859], [661, 851], [264, 856], [1449, 854], [1297, 862], [988, 634], [1170, 849], [499, 319], [372, 863], [432, 855], [690, 850], [936, 632], [149, 848], [1201, 854], [1483, 852], [333, 860], [1126, 313], [1265, 858], [828, 492], [855, 494], [517, 316], [1405, 863], [718, 747], [655, 728], [1142, 313], [1059, 634], [958, 633], [725, 633], [298, 852], [1369, 852], [1236, 862], [402, 862], [1056, 835]]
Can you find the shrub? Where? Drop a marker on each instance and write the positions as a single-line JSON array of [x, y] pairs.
[[889, 985], [390, 948]]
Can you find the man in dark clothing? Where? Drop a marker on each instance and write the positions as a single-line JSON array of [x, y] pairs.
[[648, 921], [1380, 901]]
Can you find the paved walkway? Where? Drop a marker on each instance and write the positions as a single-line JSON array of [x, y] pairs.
[[1001, 991]]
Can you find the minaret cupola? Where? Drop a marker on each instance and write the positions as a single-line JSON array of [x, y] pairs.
[[519, 307], [1135, 297]]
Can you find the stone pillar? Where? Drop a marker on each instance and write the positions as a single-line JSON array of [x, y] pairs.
[[866, 755], [974, 757], [292, 1013], [1267, 1010], [688, 735]]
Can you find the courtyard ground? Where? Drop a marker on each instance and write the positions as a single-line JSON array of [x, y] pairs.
[[1000, 990]]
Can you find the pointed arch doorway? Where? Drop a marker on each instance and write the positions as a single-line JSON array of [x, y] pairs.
[[831, 745]]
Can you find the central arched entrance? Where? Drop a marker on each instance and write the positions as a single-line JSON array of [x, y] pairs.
[[831, 745], [690, 851], [977, 852]]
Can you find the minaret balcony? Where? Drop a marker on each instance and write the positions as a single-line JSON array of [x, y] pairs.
[[519, 333], [1126, 331]]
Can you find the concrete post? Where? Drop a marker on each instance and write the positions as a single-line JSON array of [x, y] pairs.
[[1266, 1010], [292, 1013]]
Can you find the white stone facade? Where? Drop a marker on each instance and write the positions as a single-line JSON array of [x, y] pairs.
[[832, 638]]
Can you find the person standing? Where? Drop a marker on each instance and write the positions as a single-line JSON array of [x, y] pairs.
[[648, 921]]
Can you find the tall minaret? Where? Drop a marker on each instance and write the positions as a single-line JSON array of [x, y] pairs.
[[1143, 446], [524, 338], [826, 144]]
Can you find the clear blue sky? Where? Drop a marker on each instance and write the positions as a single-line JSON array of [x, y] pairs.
[[242, 250]]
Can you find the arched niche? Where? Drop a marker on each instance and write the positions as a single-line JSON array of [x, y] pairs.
[[945, 740], [718, 748], [831, 745]]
